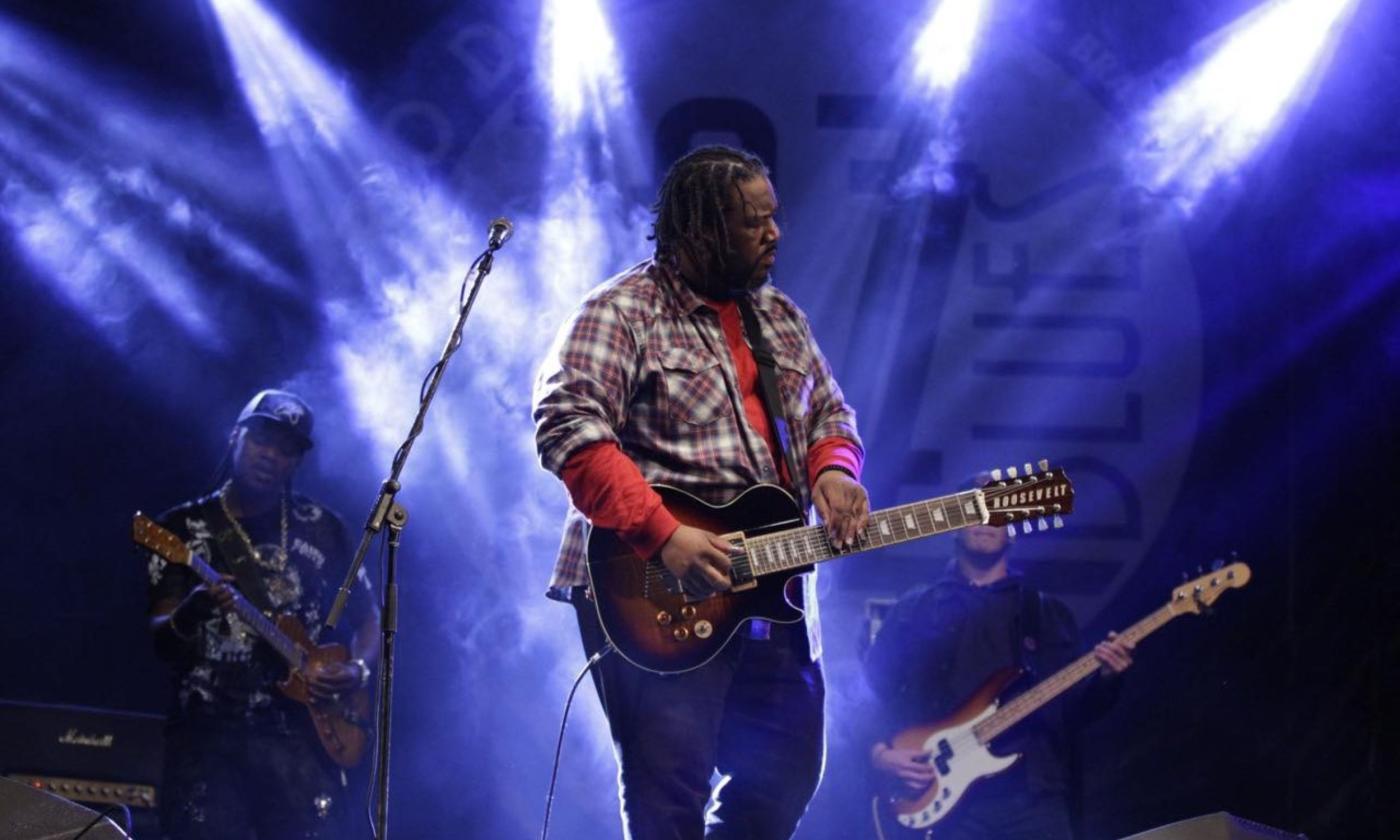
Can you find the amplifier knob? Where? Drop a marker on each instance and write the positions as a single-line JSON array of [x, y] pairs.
[[703, 629], [681, 634]]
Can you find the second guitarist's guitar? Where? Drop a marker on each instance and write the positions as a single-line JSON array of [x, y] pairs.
[[655, 624], [958, 745], [340, 723]]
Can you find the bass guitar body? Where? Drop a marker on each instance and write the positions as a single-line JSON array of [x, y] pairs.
[[959, 759], [652, 621]]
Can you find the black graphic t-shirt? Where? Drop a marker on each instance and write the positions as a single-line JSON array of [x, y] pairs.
[[228, 670]]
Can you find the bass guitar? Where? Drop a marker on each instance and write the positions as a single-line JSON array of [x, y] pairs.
[[340, 724], [657, 625], [957, 745]]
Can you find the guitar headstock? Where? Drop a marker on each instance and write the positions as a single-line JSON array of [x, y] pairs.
[[147, 533], [1028, 494], [1196, 595]]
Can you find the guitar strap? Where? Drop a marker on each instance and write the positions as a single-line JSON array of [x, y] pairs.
[[234, 555], [768, 389]]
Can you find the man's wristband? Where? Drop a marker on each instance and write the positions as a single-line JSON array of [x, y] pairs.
[[364, 671]]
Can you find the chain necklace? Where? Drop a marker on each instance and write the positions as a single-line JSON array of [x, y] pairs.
[[243, 535]]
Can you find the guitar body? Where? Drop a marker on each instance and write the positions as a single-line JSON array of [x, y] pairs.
[[959, 759], [340, 724], [655, 625]]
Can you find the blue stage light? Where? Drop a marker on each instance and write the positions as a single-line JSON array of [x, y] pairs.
[[578, 61], [1210, 123], [944, 49], [100, 208]]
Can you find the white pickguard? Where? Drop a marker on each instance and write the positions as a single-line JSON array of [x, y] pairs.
[[967, 761]]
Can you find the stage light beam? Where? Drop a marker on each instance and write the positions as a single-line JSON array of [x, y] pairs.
[[579, 61], [1219, 115], [944, 49]]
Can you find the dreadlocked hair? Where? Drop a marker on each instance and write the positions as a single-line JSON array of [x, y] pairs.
[[690, 205]]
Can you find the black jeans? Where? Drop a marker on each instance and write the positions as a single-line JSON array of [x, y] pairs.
[[1003, 808], [235, 779], [754, 714]]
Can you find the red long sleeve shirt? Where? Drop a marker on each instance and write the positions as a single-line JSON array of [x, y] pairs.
[[609, 489]]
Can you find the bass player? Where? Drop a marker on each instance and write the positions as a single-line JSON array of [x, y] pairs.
[[941, 643]]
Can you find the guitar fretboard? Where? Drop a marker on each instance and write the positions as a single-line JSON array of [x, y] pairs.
[[253, 617], [798, 547], [1063, 680]]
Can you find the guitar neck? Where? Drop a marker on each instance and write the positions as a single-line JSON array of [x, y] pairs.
[[253, 617], [1063, 680], [792, 549]]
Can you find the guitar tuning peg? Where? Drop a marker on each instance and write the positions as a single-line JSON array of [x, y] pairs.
[[1029, 471], [1040, 524], [1011, 472], [1057, 521], [996, 475], [1217, 564], [1044, 465], [1185, 576]]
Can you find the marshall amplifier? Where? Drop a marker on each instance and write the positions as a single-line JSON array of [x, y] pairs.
[[28, 814], [88, 755]]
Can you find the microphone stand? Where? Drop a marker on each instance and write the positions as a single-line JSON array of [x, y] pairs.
[[387, 509]]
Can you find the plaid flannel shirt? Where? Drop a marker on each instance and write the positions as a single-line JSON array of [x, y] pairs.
[[643, 362]]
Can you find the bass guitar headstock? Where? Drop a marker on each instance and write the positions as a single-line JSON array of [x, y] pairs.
[[1035, 498], [1195, 596]]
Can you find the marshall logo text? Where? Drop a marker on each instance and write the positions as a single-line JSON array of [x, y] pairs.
[[74, 738]]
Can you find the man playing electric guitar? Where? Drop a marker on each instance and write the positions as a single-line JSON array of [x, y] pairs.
[[939, 645], [659, 378], [242, 760]]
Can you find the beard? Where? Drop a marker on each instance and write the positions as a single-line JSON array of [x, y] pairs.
[[733, 278]]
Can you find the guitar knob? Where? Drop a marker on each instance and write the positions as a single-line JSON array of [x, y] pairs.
[[687, 611], [703, 629], [680, 634], [663, 618]]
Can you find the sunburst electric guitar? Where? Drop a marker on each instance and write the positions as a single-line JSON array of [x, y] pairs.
[[341, 723], [657, 625], [958, 745]]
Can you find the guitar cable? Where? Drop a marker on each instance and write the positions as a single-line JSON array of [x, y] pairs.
[[103, 814], [593, 660]]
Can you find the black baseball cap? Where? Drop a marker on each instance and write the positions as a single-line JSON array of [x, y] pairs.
[[282, 408]]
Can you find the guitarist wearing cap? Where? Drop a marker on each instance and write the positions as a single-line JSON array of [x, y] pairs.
[[242, 755], [938, 647]]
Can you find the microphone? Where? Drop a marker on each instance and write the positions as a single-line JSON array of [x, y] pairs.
[[499, 232]]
